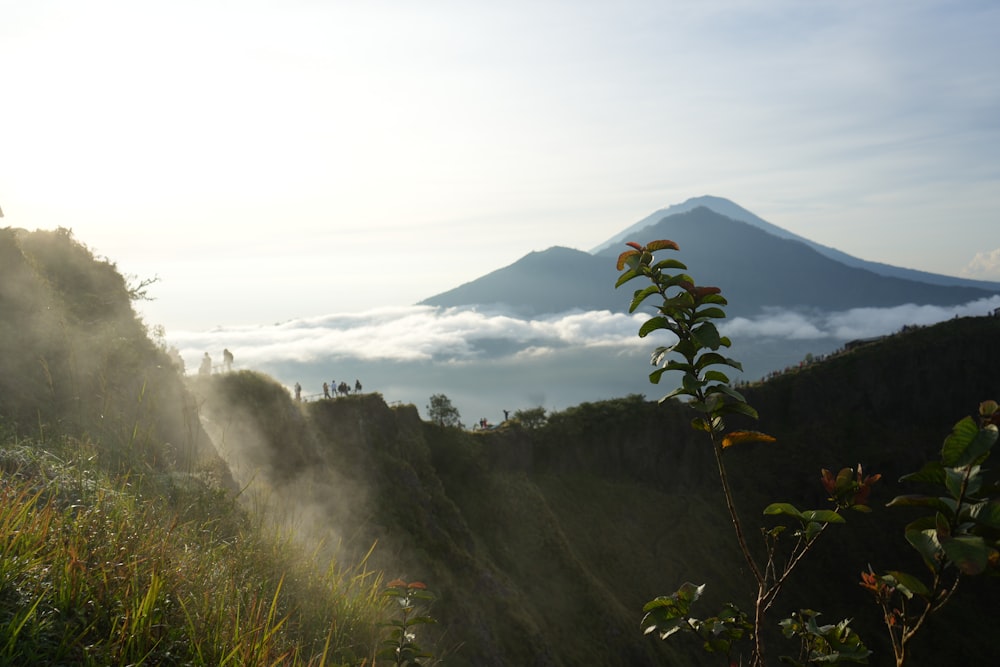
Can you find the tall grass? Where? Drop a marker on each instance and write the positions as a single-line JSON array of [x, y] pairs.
[[162, 571]]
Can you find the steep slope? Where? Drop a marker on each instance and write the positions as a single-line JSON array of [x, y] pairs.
[[544, 544], [75, 360], [550, 281]]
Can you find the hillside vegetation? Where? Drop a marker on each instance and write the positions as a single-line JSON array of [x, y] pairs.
[[146, 506]]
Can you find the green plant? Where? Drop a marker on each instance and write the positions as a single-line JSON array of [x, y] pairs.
[[833, 643], [958, 538], [688, 312], [413, 600]]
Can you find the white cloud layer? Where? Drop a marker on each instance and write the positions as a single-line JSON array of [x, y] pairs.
[[850, 324], [489, 361], [457, 335]]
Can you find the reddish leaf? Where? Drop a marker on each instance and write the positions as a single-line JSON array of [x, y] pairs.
[[622, 258], [662, 244]]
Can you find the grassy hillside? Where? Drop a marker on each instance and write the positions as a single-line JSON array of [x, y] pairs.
[[123, 542], [150, 519]]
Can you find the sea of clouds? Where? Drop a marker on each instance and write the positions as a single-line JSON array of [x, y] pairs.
[[488, 361]]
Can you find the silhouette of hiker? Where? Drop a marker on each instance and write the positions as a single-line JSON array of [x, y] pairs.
[[326, 390], [357, 386], [206, 365], [506, 415], [298, 392], [227, 359]]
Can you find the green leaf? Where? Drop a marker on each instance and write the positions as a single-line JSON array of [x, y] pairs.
[[690, 592], [625, 277], [813, 529], [641, 295], [908, 584], [739, 408], [823, 516], [986, 513], [969, 553], [931, 473], [966, 443], [669, 264], [677, 280], [701, 424], [715, 298], [680, 391], [956, 477], [706, 335], [728, 391], [979, 449], [783, 508], [713, 312], [420, 620], [716, 376], [716, 359], [653, 325], [691, 383], [927, 545], [916, 500], [676, 365]]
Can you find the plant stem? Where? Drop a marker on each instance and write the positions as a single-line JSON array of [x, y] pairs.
[[760, 608]]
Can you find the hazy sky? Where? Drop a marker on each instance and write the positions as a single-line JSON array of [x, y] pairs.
[[275, 160]]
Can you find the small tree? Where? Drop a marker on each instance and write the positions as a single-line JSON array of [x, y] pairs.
[[442, 412], [532, 418], [687, 313], [401, 647]]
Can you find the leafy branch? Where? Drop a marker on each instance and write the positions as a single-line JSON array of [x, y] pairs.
[[688, 312]]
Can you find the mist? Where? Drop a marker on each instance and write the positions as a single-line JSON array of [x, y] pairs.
[[488, 361]]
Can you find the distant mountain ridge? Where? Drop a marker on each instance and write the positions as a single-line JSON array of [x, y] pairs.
[[756, 264], [732, 210]]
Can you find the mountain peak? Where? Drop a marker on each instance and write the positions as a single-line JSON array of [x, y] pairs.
[[730, 209], [719, 205]]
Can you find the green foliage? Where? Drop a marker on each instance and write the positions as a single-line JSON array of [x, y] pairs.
[[441, 411], [669, 614], [958, 537], [531, 418], [849, 489], [412, 600], [833, 644]]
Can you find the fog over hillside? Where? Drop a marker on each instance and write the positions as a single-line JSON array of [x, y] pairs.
[[489, 361]]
